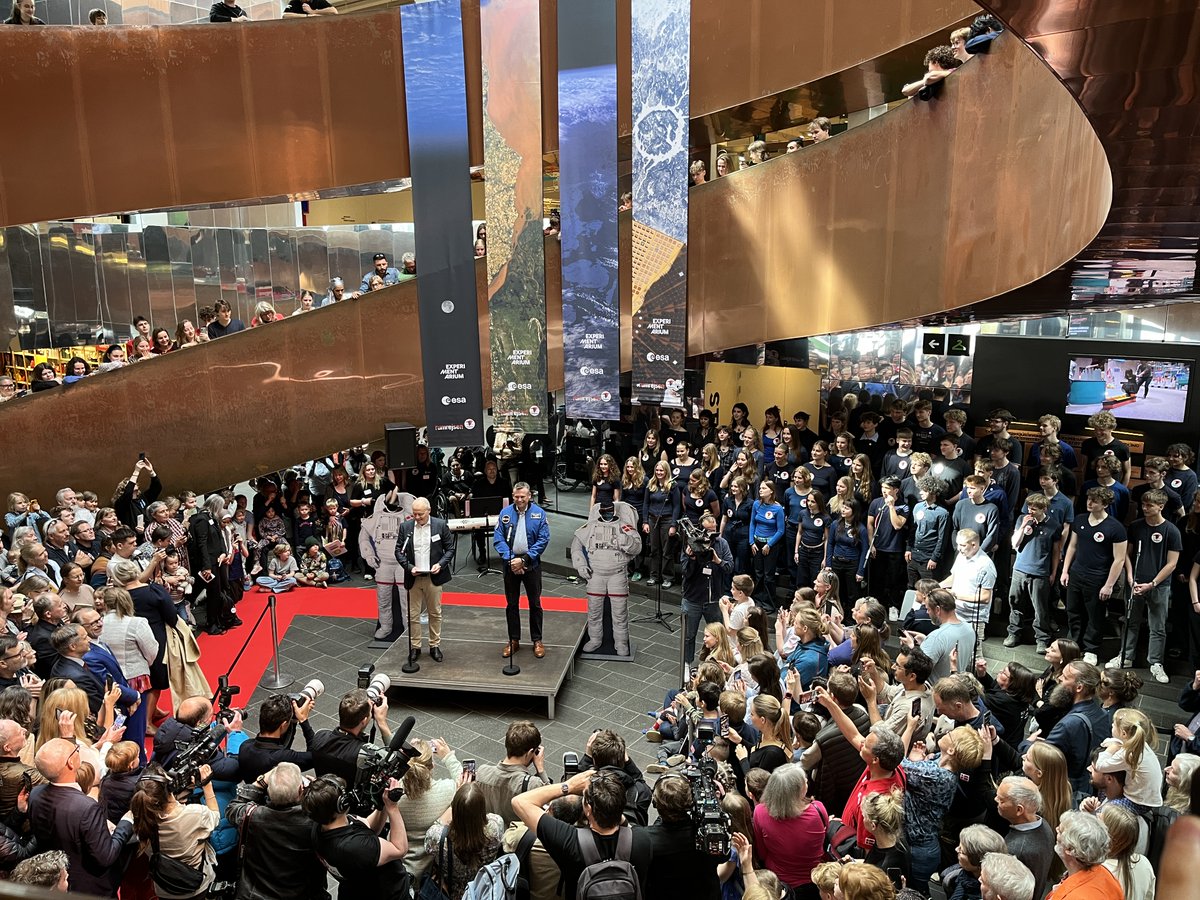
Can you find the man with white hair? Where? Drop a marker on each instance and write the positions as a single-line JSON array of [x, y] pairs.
[[206, 546], [1029, 837], [1004, 877], [64, 818], [425, 550], [279, 862], [68, 499], [1083, 844]]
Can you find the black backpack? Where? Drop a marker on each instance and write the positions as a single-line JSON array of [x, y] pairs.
[[609, 879]]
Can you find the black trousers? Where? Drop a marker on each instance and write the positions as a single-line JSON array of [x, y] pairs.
[[888, 577], [531, 579]]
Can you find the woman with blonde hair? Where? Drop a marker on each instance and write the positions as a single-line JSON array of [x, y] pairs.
[[1046, 766], [426, 798], [659, 518], [776, 744], [810, 656], [738, 506], [749, 644], [715, 646], [633, 492], [753, 445], [135, 648], [65, 714], [843, 493], [743, 467], [1131, 750], [864, 882], [883, 815], [1130, 868], [1178, 776]]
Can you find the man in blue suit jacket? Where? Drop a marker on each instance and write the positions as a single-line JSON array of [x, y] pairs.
[[100, 661], [522, 535], [71, 642]]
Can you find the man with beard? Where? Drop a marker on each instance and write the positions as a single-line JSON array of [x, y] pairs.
[[1084, 726]]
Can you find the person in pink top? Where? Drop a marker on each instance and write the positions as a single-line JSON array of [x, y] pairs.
[[789, 829]]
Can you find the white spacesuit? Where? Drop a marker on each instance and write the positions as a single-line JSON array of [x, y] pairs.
[[601, 551], [377, 544]]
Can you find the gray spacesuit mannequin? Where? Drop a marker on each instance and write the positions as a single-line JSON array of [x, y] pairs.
[[377, 544], [601, 551]]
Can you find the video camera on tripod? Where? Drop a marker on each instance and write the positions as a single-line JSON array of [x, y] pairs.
[[710, 821], [377, 765]]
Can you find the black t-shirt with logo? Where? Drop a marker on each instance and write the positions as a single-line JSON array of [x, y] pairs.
[[1092, 450], [353, 852], [1149, 546], [1094, 546]]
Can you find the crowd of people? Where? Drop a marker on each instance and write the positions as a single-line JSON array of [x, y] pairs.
[[218, 320], [940, 61]]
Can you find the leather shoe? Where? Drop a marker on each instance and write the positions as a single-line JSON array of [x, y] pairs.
[[510, 648], [233, 622], [215, 630], [414, 654], [539, 649], [435, 653]]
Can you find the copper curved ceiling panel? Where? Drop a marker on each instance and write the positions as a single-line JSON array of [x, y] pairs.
[[928, 208], [140, 117]]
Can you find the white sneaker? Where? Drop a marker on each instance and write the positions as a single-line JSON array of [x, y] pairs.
[[1159, 673], [1114, 663], [893, 615], [1090, 658]]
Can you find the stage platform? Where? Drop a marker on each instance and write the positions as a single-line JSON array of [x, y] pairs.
[[473, 637]]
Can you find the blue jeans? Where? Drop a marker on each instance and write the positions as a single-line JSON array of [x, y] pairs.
[[693, 613], [278, 585], [923, 860]]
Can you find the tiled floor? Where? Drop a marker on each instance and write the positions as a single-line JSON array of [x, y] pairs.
[[601, 694]]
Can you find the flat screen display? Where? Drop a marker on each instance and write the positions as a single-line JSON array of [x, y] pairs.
[[1150, 390]]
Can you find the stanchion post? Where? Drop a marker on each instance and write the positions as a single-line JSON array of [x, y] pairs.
[[276, 680]]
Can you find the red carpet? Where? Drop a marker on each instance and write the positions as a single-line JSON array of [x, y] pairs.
[[217, 652]]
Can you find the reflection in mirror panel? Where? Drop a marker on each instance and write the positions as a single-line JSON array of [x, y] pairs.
[[183, 282], [313, 259], [158, 274], [284, 275], [206, 272]]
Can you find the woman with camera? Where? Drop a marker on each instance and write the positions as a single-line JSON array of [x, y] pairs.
[[426, 798], [466, 838], [174, 835]]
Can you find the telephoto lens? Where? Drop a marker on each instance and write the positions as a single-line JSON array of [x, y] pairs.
[[378, 687], [309, 693]]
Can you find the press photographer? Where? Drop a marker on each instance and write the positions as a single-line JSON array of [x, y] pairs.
[[277, 720], [279, 860], [335, 751], [365, 864], [707, 563], [195, 716]]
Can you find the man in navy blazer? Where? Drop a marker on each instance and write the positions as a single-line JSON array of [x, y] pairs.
[[64, 818], [425, 550], [522, 535], [71, 642], [101, 662]]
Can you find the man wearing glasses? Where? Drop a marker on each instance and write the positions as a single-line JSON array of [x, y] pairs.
[[8, 388], [64, 818]]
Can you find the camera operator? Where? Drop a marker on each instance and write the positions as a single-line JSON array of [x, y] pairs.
[[194, 715], [335, 751], [277, 718], [706, 578], [606, 753], [603, 805], [364, 863], [677, 866], [279, 860]]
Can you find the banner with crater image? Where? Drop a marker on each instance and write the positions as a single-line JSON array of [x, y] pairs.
[[436, 95], [512, 157], [587, 186], [661, 64]]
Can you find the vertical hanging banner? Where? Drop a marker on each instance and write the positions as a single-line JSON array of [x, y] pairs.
[[661, 65], [512, 158], [436, 95], [587, 185]]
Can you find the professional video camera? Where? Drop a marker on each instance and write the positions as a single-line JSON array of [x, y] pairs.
[[708, 819], [699, 539], [184, 768], [377, 765]]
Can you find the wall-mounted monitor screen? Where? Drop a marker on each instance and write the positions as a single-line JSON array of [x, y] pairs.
[[1150, 390]]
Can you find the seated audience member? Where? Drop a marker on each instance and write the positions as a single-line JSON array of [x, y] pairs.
[[1030, 837], [789, 827], [365, 864], [604, 837], [335, 751], [1004, 877], [511, 776], [1083, 845], [64, 818]]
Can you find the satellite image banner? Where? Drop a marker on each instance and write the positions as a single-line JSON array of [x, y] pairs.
[[587, 184], [435, 91], [512, 155], [661, 60]]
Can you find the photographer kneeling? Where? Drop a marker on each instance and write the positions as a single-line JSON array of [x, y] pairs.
[[279, 860], [277, 718], [364, 863], [335, 751], [176, 835]]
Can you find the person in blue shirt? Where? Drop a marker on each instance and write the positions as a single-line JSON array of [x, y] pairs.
[[767, 530], [846, 550], [887, 526], [522, 535], [810, 657], [389, 274], [1034, 540]]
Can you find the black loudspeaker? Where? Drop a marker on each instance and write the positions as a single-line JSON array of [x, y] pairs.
[[401, 443]]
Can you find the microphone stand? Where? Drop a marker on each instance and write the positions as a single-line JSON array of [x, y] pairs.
[[1137, 555], [978, 614]]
